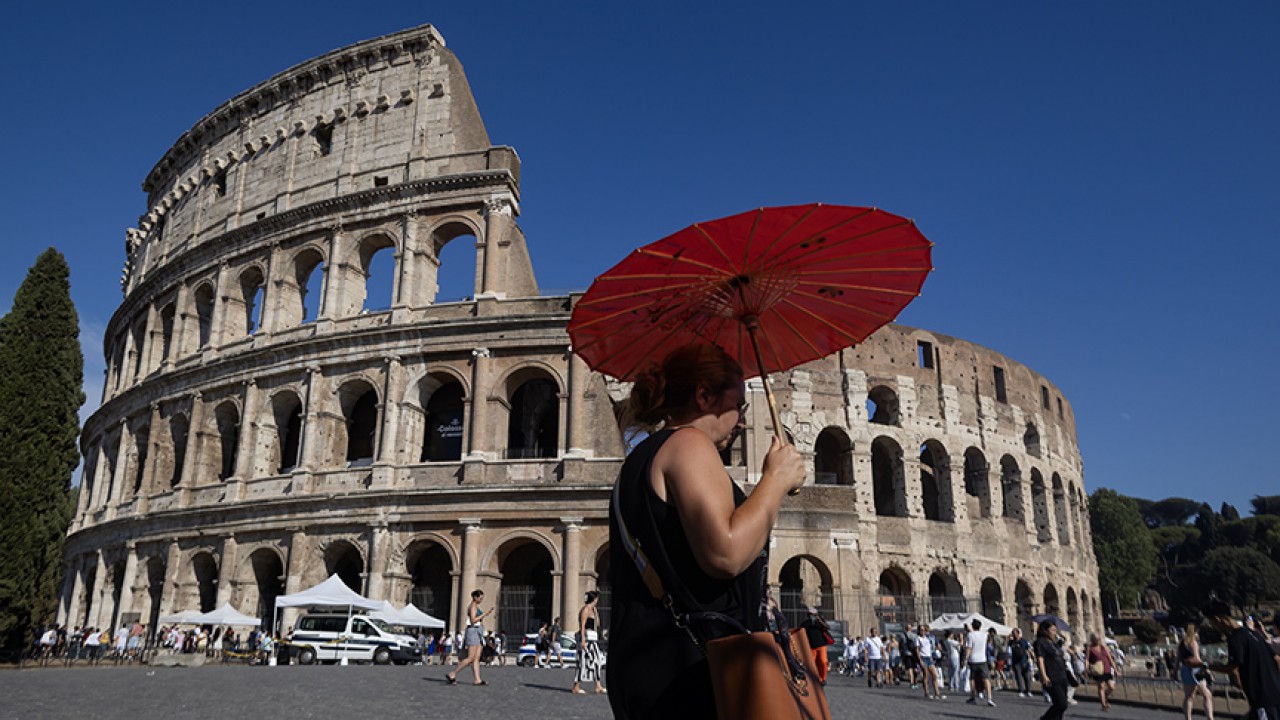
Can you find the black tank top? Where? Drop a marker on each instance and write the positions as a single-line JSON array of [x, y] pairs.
[[655, 670]]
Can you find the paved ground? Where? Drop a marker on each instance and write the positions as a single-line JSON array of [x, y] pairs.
[[138, 693]]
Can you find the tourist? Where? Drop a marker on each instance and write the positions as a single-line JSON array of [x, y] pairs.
[[910, 662], [873, 649], [1102, 669], [589, 658], [925, 650], [473, 641], [819, 636], [1249, 655], [48, 639], [553, 641], [952, 649], [1020, 659], [1053, 669], [674, 499], [1193, 673], [975, 656], [122, 641], [894, 651]]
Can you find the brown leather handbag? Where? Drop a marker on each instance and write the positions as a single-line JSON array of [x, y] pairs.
[[766, 676]]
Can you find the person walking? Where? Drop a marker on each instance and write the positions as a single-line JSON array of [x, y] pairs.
[[1102, 668], [816, 631], [951, 646], [975, 656], [589, 658], [873, 648], [1249, 654], [1193, 673], [1053, 669], [1021, 657], [925, 650], [674, 500], [473, 640]]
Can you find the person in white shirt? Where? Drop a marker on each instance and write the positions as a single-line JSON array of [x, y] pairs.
[[873, 648], [975, 654], [122, 640], [925, 646]]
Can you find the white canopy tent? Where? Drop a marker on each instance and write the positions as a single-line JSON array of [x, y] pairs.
[[180, 618], [388, 613], [225, 615], [416, 618], [332, 593], [964, 621]]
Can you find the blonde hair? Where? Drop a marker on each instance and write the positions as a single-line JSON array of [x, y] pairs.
[[662, 391]]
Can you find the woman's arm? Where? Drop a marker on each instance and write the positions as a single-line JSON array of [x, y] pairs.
[[1044, 676], [725, 539]]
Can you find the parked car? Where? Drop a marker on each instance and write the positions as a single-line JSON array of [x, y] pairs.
[[328, 638], [528, 654]]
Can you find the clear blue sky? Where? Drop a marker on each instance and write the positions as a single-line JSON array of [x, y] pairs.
[[1102, 179]]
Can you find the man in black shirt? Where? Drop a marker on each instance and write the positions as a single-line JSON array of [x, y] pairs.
[[1249, 653]]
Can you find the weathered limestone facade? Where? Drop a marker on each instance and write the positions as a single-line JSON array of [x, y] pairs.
[[266, 423]]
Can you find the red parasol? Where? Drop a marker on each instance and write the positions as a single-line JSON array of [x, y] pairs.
[[775, 287]]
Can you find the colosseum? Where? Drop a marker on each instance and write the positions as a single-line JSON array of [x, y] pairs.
[[268, 419]]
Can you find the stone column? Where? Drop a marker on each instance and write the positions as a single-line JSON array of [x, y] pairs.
[[293, 575], [168, 595], [195, 450], [227, 570], [470, 557], [491, 262], [69, 572], [476, 445], [378, 541], [178, 341], [309, 454], [154, 335], [121, 476], [220, 296], [571, 594], [99, 592], [385, 451], [73, 616], [126, 585], [268, 317], [153, 453], [247, 442], [577, 434], [330, 307]]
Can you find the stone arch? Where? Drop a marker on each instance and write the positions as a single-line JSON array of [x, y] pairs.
[[977, 483], [119, 584], [1011, 489], [137, 346], [935, 482], [263, 581], [243, 315], [140, 456], [833, 457], [1040, 507], [345, 559], [1051, 600], [452, 266], [1073, 612], [109, 450], [1031, 440], [302, 292], [226, 425], [1025, 599], [527, 566], [376, 284], [176, 430], [946, 594], [155, 576], [284, 445], [204, 571], [430, 563], [992, 599], [805, 582], [1060, 510], [434, 421], [896, 599], [888, 477], [1086, 613], [883, 406], [168, 319], [204, 299], [533, 418], [361, 413]]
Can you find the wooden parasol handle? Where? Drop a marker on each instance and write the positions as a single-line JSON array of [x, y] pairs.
[[752, 324]]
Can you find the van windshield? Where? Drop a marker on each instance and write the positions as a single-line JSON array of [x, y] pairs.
[[384, 627]]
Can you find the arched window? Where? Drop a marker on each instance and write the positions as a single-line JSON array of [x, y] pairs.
[[1060, 511], [360, 411], [1073, 610], [141, 446], [286, 409], [806, 583], [167, 316], [432, 585], [882, 406], [227, 419], [533, 426], [1031, 439], [344, 560], [205, 569], [309, 276], [888, 482], [525, 596], [833, 458], [1011, 488], [178, 430], [378, 262], [935, 482], [945, 594], [455, 276], [1040, 507], [442, 433], [137, 336], [1051, 606], [992, 600], [204, 313], [896, 602], [252, 290], [1026, 601], [977, 486]]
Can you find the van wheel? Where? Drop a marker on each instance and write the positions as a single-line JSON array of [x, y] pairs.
[[525, 662], [306, 656], [381, 656]]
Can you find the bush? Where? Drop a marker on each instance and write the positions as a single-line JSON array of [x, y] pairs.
[[1148, 631]]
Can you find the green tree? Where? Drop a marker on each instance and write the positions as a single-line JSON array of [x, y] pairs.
[[41, 372], [1242, 577], [1210, 526], [1229, 512], [1168, 512], [1123, 546], [1266, 504]]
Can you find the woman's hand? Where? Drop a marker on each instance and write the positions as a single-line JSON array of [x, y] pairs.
[[784, 464]]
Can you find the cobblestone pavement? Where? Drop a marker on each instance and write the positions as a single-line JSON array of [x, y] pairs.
[[414, 692]]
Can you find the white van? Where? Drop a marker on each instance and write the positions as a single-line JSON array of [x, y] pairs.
[[328, 637]]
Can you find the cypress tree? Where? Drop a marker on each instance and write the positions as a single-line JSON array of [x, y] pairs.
[[41, 374]]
